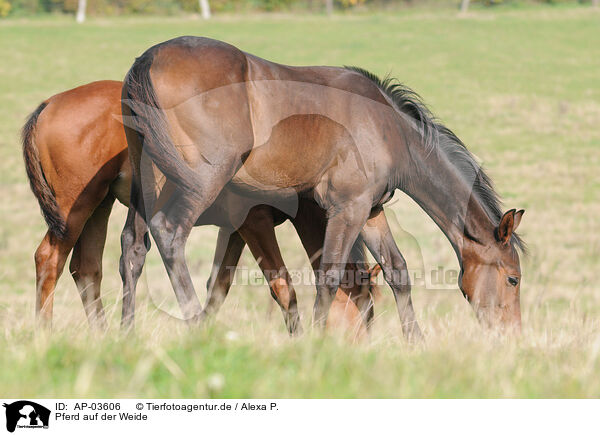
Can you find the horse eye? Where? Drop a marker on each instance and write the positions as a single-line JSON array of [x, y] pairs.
[[512, 280]]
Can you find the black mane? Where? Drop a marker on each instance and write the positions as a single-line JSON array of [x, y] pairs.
[[438, 137]]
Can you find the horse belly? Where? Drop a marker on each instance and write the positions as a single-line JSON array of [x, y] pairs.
[[297, 154]]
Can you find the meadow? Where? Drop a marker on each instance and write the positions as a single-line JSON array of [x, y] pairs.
[[521, 87]]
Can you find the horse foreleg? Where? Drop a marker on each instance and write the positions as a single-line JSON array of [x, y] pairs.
[[310, 225], [86, 263], [343, 228], [380, 242]]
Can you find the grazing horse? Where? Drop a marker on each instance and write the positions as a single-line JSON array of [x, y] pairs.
[[77, 163], [209, 115]]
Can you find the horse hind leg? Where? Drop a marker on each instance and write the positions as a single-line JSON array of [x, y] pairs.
[[50, 258], [135, 244], [51, 255], [170, 227], [86, 263]]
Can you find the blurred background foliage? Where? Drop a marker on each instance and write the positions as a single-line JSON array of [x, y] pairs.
[[173, 7]]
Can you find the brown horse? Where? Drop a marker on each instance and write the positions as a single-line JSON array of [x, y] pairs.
[[76, 159], [208, 115]]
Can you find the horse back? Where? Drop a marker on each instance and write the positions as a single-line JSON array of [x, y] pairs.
[[219, 101]]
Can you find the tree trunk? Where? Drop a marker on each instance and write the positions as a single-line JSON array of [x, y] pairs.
[[329, 7], [595, 3], [464, 6], [81, 5], [205, 9]]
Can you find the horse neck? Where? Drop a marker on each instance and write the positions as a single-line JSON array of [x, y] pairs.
[[440, 189]]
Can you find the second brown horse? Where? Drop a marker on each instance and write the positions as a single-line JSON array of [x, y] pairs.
[[77, 162]]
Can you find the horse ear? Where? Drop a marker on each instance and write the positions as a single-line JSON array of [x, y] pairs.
[[506, 226], [517, 218]]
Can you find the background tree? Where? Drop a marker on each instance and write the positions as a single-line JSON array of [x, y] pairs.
[[81, 6], [205, 9]]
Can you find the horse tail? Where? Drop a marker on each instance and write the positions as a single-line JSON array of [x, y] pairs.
[[151, 125], [37, 180]]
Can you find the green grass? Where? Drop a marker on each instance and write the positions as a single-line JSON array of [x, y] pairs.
[[520, 87]]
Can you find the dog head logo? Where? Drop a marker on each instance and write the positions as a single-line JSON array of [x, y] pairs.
[[26, 414]]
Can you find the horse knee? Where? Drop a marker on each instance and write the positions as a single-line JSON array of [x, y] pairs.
[[133, 260], [280, 291], [82, 267], [127, 237], [133, 250], [85, 277], [332, 278], [42, 255], [48, 264], [172, 252], [397, 261], [396, 273], [165, 236]]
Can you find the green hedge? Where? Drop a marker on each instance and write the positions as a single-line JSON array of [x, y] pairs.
[[126, 7], [169, 7]]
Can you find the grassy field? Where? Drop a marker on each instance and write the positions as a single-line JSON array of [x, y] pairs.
[[520, 87]]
